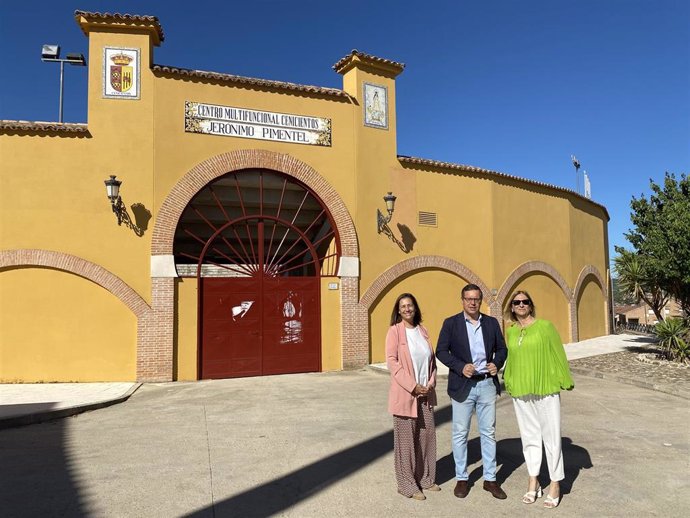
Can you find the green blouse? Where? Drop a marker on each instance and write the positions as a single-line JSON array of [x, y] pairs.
[[536, 361]]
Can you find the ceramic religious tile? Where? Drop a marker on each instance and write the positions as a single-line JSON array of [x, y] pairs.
[[375, 106]]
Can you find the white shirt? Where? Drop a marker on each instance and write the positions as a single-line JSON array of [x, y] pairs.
[[419, 351], [474, 333]]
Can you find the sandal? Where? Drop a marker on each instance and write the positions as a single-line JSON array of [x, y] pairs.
[[551, 502], [531, 496]]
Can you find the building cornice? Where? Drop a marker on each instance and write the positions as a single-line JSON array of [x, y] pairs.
[[356, 58], [12, 126], [451, 167], [88, 20], [249, 81]]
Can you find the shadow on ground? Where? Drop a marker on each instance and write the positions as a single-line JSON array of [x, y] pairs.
[[510, 458], [42, 480], [279, 494]]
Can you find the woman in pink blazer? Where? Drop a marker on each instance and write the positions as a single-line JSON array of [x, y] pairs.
[[411, 399]]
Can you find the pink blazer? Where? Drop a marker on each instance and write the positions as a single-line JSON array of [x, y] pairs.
[[401, 402]]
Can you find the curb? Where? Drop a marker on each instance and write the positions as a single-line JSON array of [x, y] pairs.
[[621, 379], [49, 415]]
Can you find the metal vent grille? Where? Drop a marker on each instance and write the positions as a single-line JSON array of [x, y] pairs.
[[428, 219]]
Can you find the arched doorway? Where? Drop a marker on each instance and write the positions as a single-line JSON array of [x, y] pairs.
[[258, 242]]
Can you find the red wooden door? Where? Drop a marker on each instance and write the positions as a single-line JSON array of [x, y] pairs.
[[260, 242], [254, 326], [291, 328], [231, 328]]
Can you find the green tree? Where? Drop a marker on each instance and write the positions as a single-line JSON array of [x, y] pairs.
[[634, 282], [619, 296], [661, 237]]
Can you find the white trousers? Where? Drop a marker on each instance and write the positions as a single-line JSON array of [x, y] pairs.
[[539, 420]]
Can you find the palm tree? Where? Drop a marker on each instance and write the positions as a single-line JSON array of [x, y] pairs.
[[633, 281]]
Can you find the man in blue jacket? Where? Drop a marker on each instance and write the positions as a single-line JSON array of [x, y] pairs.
[[471, 345]]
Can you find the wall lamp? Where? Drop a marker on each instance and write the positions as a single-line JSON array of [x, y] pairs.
[[381, 220], [142, 215], [112, 189], [52, 53]]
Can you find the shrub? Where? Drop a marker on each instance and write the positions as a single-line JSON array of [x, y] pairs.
[[674, 339]]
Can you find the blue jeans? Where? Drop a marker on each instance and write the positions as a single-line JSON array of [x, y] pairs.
[[479, 395]]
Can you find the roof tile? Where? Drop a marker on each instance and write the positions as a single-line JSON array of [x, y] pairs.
[[37, 126], [367, 57], [117, 17], [230, 78]]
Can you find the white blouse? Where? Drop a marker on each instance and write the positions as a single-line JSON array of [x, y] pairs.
[[419, 351]]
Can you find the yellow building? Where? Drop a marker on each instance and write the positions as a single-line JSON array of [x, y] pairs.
[[246, 237]]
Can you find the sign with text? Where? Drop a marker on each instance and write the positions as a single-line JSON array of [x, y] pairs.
[[229, 121]]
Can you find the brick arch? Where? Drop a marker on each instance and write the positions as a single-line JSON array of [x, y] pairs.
[[157, 342], [550, 271], [529, 267], [361, 312], [417, 263], [78, 266], [589, 270], [208, 170], [584, 273]]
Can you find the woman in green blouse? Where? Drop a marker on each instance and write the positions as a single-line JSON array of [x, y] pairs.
[[536, 371]]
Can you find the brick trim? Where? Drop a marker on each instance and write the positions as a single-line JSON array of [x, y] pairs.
[[418, 263], [382, 282], [78, 266], [584, 273], [545, 268], [528, 267], [104, 278], [158, 335], [155, 334], [208, 170], [589, 270]]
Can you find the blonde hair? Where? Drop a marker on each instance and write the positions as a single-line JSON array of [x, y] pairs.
[[509, 314]]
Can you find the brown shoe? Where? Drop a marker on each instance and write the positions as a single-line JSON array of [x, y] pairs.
[[433, 487], [417, 496], [461, 489], [492, 487]]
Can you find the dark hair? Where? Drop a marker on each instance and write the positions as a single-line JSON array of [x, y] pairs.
[[395, 315], [509, 314], [472, 287]]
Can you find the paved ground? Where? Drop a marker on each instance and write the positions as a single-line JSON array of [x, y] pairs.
[[321, 445], [22, 404], [28, 403]]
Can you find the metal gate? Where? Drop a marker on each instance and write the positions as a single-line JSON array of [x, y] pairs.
[[261, 242]]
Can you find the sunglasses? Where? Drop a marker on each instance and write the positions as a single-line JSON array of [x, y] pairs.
[[524, 302]]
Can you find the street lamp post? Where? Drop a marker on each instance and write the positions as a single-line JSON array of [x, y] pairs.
[[52, 53]]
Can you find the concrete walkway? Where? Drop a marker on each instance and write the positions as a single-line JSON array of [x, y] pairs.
[[28, 403], [23, 403], [321, 445]]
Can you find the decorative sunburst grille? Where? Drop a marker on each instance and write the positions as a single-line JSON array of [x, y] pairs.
[[256, 222]]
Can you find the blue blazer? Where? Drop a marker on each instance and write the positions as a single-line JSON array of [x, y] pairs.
[[453, 350]]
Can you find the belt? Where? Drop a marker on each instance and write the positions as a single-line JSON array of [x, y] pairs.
[[480, 376]]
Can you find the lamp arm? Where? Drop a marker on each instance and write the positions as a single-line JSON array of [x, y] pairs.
[[382, 221]]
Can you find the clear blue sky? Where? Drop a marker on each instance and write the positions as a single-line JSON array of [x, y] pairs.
[[513, 86]]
